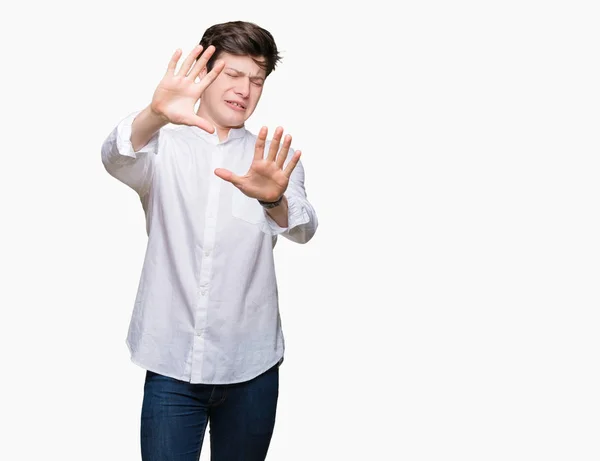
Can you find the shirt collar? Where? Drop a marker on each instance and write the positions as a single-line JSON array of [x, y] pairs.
[[214, 137]]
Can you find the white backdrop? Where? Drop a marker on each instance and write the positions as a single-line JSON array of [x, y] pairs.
[[448, 306]]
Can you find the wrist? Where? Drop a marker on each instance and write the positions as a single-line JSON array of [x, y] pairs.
[[154, 118], [269, 205]]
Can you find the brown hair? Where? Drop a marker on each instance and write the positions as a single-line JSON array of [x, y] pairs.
[[242, 38]]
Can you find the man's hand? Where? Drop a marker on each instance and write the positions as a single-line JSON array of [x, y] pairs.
[[178, 92], [266, 180]]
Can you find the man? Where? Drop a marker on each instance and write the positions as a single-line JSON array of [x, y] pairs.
[[205, 323]]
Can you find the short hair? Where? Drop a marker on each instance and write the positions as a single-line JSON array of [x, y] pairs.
[[242, 38]]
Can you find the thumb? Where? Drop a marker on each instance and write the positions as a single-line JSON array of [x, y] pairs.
[[201, 123], [228, 176]]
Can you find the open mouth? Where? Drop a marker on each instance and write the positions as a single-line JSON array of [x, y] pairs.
[[236, 105]]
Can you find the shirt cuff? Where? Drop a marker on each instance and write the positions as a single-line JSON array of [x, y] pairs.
[[297, 215]]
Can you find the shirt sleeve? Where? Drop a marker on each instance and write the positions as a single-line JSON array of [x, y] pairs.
[[302, 218], [134, 168]]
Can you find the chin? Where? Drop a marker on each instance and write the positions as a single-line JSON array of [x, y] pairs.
[[233, 122]]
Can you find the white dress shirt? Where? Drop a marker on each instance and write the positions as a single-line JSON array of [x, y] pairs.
[[206, 309]]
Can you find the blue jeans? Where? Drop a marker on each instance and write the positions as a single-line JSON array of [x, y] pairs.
[[175, 415]]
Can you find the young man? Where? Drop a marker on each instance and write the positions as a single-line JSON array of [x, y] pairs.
[[205, 323]]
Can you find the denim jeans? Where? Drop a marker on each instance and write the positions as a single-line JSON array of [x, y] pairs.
[[175, 415]]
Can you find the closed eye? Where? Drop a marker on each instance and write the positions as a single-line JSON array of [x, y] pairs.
[[255, 81]]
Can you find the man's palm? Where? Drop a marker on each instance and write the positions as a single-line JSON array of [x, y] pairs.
[[264, 180], [178, 92]]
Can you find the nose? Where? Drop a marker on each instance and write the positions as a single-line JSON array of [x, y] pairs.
[[242, 88]]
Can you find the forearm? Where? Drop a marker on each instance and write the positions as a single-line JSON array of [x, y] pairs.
[[145, 125]]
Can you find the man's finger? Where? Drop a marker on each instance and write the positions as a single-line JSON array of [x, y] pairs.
[[187, 64], [274, 147], [284, 151], [210, 77], [259, 147], [201, 63], [292, 164], [173, 62], [228, 176], [201, 123]]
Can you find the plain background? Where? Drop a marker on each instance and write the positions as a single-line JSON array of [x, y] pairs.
[[448, 306]]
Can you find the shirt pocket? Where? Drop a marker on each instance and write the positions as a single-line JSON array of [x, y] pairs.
[[248, 209]]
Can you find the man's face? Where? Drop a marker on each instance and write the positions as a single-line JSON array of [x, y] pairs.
[[232, 97]]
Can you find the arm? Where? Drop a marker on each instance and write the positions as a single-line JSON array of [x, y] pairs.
[[295, 218], [279, 174], [133, 165]]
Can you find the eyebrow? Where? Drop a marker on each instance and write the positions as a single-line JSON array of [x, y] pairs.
[[243, 73]]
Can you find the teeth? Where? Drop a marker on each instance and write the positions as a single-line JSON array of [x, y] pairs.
[[236, 104]]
